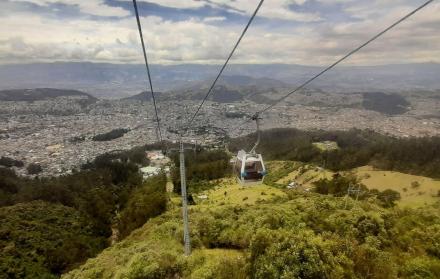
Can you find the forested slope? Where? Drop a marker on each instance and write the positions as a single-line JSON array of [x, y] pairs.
[[50, 225], [43, 240], [420, 156], [300, 236]]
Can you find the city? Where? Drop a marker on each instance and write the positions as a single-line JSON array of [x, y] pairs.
[[57, 133]]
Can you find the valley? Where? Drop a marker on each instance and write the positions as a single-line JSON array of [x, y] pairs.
[[57, 131]]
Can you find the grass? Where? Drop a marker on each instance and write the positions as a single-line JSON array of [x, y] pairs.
[[326, 145], [284, 172], [425, 193], [229, 191], [203, 262], [305, 175]]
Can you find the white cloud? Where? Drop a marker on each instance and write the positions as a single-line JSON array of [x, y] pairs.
[[214, 18], [199, 41], [92, 7]]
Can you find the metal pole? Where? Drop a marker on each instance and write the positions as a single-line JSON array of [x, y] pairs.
[[346, 197], [358, 192], [186, 238]]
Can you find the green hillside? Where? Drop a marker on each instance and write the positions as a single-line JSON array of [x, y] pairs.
[[264, 231], [42, 240], [414, 190], [297, 235]]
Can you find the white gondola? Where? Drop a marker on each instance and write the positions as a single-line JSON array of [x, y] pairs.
[[249, 167]]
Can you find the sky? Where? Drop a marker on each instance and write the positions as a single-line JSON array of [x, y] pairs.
[[306, 32]]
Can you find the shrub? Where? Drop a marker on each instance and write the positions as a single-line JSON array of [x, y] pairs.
[[33, 168], [148, 201], [388, 197], [415, 184]]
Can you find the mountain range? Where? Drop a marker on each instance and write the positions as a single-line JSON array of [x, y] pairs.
[[41, 94], [122, 80]]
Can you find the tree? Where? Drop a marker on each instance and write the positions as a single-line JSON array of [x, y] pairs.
[[34, 168], [388, 197], [146, 202]]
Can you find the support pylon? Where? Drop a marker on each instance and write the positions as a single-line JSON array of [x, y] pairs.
[[186, 238]]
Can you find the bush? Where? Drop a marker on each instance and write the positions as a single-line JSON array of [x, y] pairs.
[[415, 184], [422, 268], [9, 162], [201, 166], [388, 197], [113, 134], [40, 240], [34, 168], [148, 201], [308, 236]]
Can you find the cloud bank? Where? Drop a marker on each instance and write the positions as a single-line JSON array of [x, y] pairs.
[[309, 32]]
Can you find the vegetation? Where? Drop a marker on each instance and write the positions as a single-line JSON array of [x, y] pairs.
[[54, 224], [149, 200], [420, 156], [43, 240], [9, 162], [278, 170], [234, 114], [388, 197], [201, 166], [350, 185], [385, 103], [237, 232], [33, 168], [414, 190], [298, 236], [229, 191], [113, 134]]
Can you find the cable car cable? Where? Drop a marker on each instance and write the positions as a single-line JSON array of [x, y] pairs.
[[338, 61], [148, 72], [225, 64]]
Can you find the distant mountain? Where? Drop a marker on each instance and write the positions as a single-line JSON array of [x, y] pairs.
[[385, 103], [143, 96], [220, 94], [40, 94], [121, 80]]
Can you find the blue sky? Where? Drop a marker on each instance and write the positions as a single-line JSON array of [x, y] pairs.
[[308, 32]]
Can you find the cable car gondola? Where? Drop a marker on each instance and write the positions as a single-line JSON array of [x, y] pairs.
[[249, 166]]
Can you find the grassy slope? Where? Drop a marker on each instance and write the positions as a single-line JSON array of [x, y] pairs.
[[230, 192], [426, 193], [285, 172]]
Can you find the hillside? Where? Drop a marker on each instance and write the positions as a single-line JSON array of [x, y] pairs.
[[143, 96], [414, 190], [41, 94], [266, 231], [291, 236], [35, 236], [385, 103], [356, 148]]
